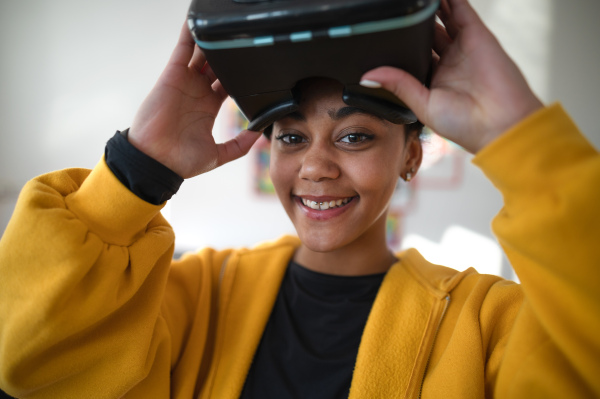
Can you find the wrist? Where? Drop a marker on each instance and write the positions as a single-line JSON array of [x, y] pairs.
[[521, 113], [147, 178]]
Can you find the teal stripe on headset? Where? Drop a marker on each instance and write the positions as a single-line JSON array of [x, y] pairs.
[[395, 23], [340, 31], [334, 32], [301, 36], [264, 41]]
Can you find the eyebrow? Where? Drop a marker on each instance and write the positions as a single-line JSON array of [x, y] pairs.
[[333, 114]]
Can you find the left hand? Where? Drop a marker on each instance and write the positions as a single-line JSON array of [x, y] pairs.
[[476, 93]]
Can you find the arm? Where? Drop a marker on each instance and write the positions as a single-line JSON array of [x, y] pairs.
[[85, 263], [549, 228], [548, 174]]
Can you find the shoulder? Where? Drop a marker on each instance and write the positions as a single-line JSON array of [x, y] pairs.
[[472, 289]]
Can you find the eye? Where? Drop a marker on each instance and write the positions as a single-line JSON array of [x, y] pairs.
[[291, 138], [356, 138]]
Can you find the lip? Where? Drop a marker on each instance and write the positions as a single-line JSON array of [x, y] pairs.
[[323, 214]]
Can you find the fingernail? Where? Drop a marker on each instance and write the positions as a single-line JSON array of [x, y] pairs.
[[370, 84]]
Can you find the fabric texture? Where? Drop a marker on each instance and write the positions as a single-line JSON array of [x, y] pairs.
[[145, 177], [309, 346], [92, 305]]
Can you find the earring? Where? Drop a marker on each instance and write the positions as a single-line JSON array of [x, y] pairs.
[[409, 175]]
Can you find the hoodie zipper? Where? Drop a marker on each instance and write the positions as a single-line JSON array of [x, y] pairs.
[[447, 299]]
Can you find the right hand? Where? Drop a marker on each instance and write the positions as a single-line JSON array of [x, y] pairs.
[[174, 123]]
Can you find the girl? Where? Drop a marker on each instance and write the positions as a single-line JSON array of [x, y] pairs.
[[93, 306]]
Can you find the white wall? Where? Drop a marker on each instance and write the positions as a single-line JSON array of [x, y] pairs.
[[72, 72]]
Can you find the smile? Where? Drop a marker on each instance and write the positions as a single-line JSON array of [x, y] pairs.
[[322, 206]]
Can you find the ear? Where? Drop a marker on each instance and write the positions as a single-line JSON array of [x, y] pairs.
[[413, 155]]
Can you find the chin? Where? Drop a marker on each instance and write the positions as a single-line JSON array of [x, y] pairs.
[[321, 243]]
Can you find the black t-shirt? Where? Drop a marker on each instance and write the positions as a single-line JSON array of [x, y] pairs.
[[309, 346]]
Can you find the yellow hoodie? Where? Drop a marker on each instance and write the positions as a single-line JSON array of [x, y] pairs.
[[92, 306]]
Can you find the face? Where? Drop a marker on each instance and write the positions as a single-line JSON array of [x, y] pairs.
[[335, 169]]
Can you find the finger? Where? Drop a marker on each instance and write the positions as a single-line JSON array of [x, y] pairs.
[[441, 39], [198, 61], [446, 16], [435, 60], [236, 147], [219, 90], [184, 49], [404, 86], [208, 71]]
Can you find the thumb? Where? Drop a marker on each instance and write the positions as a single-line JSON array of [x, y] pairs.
[[236, 147], [403, 85]]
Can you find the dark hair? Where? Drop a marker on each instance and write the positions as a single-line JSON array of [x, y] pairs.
[[413, 129], [268, 131]]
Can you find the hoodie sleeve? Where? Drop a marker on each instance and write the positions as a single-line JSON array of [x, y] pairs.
[[549, 227], [83, 265]]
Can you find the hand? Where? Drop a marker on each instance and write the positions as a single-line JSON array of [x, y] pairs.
[[174, 124], [476, 92]]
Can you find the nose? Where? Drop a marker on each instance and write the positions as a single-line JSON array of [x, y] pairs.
[[319, 164]]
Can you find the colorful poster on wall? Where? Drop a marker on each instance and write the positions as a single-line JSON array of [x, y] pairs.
[[260, 153], [262, 158]]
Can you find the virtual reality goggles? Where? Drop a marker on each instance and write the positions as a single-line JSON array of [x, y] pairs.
[[260, 49]]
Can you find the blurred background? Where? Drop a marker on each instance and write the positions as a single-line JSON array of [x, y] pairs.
[[72, 72]]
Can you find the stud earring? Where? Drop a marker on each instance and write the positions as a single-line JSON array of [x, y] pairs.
[[409, 175]]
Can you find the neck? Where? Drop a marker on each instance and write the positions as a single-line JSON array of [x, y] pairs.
[[361, 257]]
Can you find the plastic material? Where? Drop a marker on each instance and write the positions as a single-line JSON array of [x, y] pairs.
[[260, 49]]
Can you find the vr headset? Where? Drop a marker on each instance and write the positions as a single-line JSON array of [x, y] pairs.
[[260, 49]]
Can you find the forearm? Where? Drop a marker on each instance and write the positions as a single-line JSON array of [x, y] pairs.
[[550, 228]]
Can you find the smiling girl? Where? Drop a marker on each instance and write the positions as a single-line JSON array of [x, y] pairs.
[[334, 169], [93, 306]]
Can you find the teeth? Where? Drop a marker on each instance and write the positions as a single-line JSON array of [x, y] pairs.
[[312, 204], [325, 205]]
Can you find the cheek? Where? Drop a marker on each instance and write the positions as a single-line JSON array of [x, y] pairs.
[[378, 172], [378, 180]]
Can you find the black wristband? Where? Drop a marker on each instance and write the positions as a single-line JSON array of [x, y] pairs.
[[144, 176]]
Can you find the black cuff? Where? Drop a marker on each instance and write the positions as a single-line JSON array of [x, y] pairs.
[[144, 176]]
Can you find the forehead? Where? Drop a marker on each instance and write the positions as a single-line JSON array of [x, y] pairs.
[[323, 98], [319, 95]]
